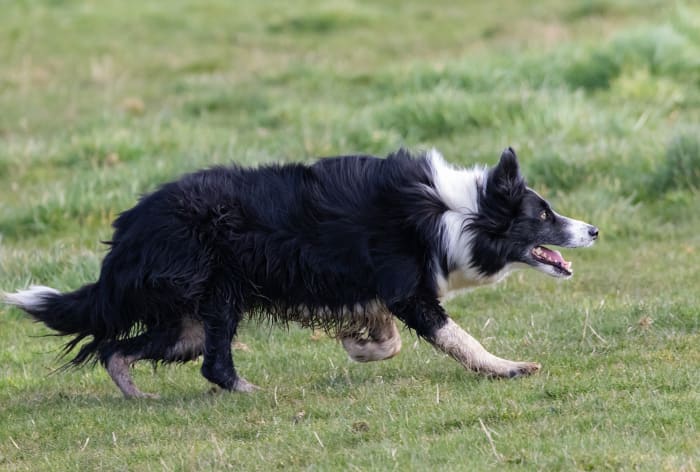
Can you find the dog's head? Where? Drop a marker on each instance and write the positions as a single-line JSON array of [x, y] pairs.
[[513, 225]]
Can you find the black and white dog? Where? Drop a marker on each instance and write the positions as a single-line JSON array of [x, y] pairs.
[[347, 244]]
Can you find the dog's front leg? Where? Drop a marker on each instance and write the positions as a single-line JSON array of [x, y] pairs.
[[469, 352], [427, 317]]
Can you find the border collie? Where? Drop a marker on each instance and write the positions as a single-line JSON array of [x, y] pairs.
[[347, 244]]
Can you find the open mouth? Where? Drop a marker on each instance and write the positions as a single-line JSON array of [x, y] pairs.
[[552, 258]]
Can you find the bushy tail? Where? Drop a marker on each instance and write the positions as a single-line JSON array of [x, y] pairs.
[[69, 314]]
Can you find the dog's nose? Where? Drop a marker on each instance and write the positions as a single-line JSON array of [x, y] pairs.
[[593, 232]]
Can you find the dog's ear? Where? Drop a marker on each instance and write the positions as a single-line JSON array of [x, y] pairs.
[[505, 178], [508, 167]]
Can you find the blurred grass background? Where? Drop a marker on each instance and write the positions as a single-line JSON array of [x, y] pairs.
[[102, 101]]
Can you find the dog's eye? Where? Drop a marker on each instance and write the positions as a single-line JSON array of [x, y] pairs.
[[544, 215]]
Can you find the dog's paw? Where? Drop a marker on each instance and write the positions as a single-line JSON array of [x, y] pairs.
[[509, 369], [521, 369], [243, 386]]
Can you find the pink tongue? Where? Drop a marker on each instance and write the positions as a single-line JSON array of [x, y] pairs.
[[553, 255]]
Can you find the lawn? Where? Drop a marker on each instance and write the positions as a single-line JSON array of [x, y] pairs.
[[102, 101]]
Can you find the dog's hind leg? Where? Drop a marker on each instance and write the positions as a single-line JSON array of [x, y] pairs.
[[118, 356], [428, 318], [220, 321], [378, 341], [118, 366], [176, 343]]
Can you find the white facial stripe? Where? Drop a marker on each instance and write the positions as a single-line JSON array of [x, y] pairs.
[[579, 233]]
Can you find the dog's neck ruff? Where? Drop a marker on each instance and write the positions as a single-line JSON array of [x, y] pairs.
[[459, 190]]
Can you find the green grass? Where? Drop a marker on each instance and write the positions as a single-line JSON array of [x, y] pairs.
[[103, 101]]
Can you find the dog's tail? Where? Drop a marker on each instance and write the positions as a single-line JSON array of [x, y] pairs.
[[71, 313]]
